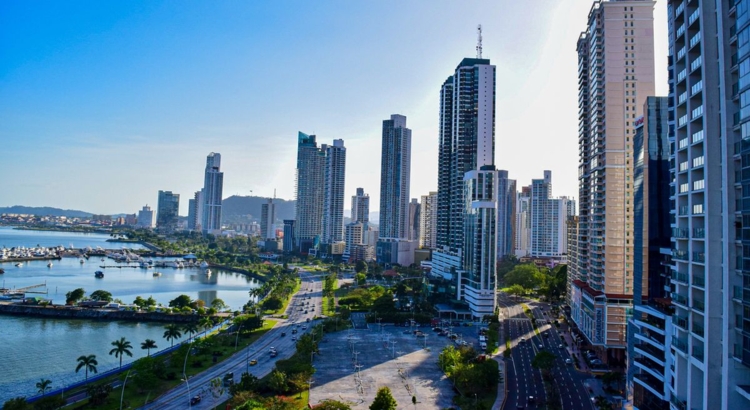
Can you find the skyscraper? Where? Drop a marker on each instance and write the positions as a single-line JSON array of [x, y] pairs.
[[167, 211], [413, 224], [267, 220], [310, 192], [466, 145], [333, 204], [523, 222], [506, 214], [709, 94], [213, 186], [191, 214], [615, 75], [428, 220], [320, 193], [394, 245], [361, 206], [395, 169], [197, 218], [146, 217], [651, 305], [549, 216]]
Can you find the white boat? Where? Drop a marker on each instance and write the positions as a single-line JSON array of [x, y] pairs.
[[208, 272], [157, 274], [204, 265], [49, 265], [82, 261], [19, 264]]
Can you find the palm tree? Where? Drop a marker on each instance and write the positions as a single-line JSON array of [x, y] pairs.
[[190, 328], [43, 385], [172, 333], [148, 345], [206, 323], [122, 347], [89, 363]]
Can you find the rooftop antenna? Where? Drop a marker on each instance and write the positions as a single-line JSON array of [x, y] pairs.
[[274, 193], [479, 41]]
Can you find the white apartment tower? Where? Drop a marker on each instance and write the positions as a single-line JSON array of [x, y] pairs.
[[361, 206], [428, 220], [709, 92], [395, 170], [213, 186], [523, 223], [615, 75], [333, 205], [267, 220]]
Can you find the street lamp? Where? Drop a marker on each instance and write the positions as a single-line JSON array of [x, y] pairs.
[[184, 366], [123, 388], [237, 339]]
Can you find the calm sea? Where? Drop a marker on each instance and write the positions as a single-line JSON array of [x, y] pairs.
[[33, 348]]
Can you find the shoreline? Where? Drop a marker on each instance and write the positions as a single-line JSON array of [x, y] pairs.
[[76, 312], [58, 229]]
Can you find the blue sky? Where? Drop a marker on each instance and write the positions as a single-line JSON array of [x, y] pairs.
[[102, 104]]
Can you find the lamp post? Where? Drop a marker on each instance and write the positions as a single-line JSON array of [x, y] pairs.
[[309, 388], [184, 366], [237, 339], [123, 388]]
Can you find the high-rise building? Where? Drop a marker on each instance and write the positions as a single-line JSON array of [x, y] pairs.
[[549, 216], [572, 232], [647, 335], [333, 200], [167, 211], [466, 145], [395, 245], [197, 219], [213, 186], [353, 236], [361, 206], [289, 242], [413, 224], [523, 223], [615, 75], [709, 93], [395, 169], [320, 193], [191, 214], [146, 217], [506, 214], [428, 220], [310, 192], [267, 220]]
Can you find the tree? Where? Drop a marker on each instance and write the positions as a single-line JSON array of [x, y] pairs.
[[218, 304], [360, 279], [181, 301], [50, 403], [150, 301], [611, 378], [384, 400], [190, 328], [448, 359], [278, 382], [172, 333], [102, 295], [543, 361], [121, 347], [360, 266], [299, 381], [272, 303], [140, 302], [43, 385], [527, 275], [330, 404], [88, 363], [206, 323], [98, 393], [516, 290], [19, 403], [248, 383], [148, 345], [216, 387], [146, 373], [74, 296]]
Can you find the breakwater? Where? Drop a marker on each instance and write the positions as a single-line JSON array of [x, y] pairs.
[[73, 312], [257, 276]]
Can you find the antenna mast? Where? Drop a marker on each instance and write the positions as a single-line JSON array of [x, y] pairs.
[[479, 41]]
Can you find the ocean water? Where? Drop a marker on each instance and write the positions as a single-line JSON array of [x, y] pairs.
[[35, 348]]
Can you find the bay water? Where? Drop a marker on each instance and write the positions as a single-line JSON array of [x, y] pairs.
[[36, 348]]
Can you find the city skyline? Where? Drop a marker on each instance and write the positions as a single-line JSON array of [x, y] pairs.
[[100, 113]]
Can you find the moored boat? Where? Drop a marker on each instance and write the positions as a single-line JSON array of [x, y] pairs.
[[99, 274], [157, 274]]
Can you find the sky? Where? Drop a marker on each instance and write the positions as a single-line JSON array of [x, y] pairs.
[[103, 104]]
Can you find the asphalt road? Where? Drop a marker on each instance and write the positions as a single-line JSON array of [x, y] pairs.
[[523, 379], [179, 397]]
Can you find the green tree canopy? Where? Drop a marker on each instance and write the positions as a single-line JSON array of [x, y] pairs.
[[360, 279], [278, 382], [527, 275], [101, 295], [360, 267], [272, 303], [74, 296], [384, 400], [121, 347], [330, 404], [88, 363], [181, 301], [543, 360], [218, 304]]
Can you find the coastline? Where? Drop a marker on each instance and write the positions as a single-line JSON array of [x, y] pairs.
[[75, 312], [59, 229]]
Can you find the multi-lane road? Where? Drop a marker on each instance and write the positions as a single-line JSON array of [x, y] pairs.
[[525, 384], [309, 299]]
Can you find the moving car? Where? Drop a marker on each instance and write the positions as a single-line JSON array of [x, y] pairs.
[[229, 379], [195, 400], [283, 334], [568, 361]]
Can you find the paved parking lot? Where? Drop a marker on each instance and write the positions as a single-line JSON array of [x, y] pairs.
[[354, 364]]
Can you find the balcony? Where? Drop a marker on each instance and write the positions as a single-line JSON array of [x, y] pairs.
[[699, 306], [679, 255], [699, 281], [679, 277], [699, 257], [697, 352], [693, 17], [680, 322], [698, 329], [679, 344], [677, 403], [679, 299], [646, 349]]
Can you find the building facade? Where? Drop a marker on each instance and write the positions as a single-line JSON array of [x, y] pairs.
[[549, 217], [361, 206], [709, 62], [615, 75], [523, 223], [289, 243], [213, 187], [146, 217], [310, 193], [167, 211], [191, 214], [506, 215], [414, 217], [268, 220], [333, 195], [428, 220]]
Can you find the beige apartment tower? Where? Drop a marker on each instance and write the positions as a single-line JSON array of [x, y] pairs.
[[615, 75]]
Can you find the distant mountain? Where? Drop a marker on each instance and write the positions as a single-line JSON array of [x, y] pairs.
[[44, 211], [237, 208]]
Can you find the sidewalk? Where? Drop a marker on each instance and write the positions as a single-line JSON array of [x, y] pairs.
[[502, 387], [575, 353]]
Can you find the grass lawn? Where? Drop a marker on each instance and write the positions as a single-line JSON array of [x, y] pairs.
[[133, 398]]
